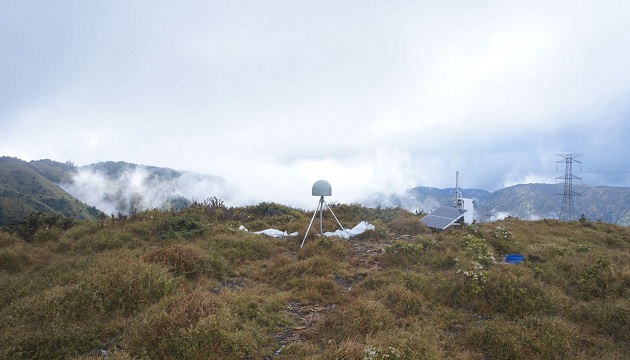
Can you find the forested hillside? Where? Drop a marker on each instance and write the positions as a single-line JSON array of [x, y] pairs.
[[27, 187]]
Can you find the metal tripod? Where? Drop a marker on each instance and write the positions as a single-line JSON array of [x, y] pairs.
[[320, 208]]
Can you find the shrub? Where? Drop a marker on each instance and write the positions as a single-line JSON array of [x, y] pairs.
[[7, 239], [181, 260], [200, 325], [528, 338], [599, 278], [609, 318], [59, 342], [312, 290], [511, 291], [13, 259], [332, 247], [126, 285], [501, 240], [47, 234], [241, 247], [407, 226], [403, 254], [403, 302], [514, 292], [478, 249], [185, 224], [149, 333], [355, 319]]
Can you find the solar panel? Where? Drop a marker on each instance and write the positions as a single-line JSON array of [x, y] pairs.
[[443, 217]]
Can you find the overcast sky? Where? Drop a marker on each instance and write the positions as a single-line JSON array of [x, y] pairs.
[[373, 96]]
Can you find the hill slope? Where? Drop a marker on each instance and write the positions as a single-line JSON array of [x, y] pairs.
[[189, 285], [27, 187]]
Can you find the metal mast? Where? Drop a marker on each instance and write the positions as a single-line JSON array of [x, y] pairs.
[[458, 203], [567, 211]]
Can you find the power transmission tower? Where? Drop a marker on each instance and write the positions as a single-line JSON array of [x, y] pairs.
[[567, 211]]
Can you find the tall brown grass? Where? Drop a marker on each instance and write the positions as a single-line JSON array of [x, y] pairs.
[[189, 284]]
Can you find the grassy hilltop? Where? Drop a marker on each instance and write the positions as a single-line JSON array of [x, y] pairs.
[[190, 285]]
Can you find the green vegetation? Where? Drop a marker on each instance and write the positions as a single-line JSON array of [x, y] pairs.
[[190, 285], [30, 187]]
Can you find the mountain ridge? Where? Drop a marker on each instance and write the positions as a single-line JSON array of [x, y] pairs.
[[121, 187], [533, 201], [26, 187]]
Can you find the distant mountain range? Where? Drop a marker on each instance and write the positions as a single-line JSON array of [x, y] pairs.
[[85, 192], [528, 202]]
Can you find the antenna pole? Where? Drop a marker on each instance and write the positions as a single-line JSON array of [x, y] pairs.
[[321, 215], [458, 203], [567, 211]]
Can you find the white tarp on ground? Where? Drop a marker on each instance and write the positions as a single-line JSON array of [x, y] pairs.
[[270, 232], [362, 227]]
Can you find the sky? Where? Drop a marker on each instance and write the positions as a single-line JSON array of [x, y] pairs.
[[372, 96]]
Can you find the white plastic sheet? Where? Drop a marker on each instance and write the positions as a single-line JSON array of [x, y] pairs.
[[275, 233], [361, 227]]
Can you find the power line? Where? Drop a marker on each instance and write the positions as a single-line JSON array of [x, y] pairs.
[[567, 211], [606, 172]]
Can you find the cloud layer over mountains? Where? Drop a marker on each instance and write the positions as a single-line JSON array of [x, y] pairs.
[[272, 96], [140, 188]]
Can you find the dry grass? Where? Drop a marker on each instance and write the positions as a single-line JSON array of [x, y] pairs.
[[165, 285]]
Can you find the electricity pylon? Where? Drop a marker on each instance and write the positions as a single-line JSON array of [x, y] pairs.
[[567, 212]]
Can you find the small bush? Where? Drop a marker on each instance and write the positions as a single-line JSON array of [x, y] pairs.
[[333, 247], [126, 284], [407, 226], [511, 291], [186, 224], [402, 302], [47, 234], [478, 248], [403, 254], [529, 338], [598, 279], [609, 318], [7, 239], [355, 320], [59, 342], [312, 290], [200, 326], [501, 240], [241, 247], [13, 259], [182, 260]]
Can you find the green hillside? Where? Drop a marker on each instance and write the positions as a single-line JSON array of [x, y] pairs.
[[27, 187], [191, 285]]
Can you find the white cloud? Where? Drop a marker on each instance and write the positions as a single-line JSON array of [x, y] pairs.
[[378, 96], [139, 188]]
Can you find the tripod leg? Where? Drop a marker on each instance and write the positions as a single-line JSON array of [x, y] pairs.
[[342, 228], [309, 226]]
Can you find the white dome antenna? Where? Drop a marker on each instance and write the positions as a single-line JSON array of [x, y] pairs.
[[321, 188]]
